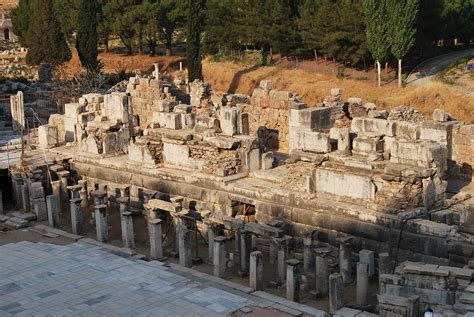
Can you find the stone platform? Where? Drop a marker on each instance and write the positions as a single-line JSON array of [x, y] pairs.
[[85, 280]]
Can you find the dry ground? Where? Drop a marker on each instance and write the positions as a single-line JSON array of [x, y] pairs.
[[313, 87]]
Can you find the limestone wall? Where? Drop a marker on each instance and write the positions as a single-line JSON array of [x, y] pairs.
[[463, 150]]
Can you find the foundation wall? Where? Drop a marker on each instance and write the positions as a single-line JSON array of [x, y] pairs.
[[463, 151]]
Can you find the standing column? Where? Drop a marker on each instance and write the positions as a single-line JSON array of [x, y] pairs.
[[99, 197], [178, 226], [245, 249], [185, 250], [385, 263], [367, 256], [17, 183], [308, 254], [75, 189], [214, 230], [322, 271], [156, 239], [52, 203], [220, 256], [345, 259], [76, 215], [280, 247], [1, 203], [336, 292], [56, 187], [25, 196], [83, 194], [362, 284], [150, 212], [256, 271], [293, 280], [101, 223], [64, 177], [128, 237]]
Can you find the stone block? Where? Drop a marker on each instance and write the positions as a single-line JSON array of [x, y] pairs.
[[266, 85], [267, 160], [116, 107], [165, 105], [176, 154], [72, 110], [169, 120], [367, 257], [366, 145], [419, 153], [355, 100], [47, 136], [342, 183], [407, 131], [373, 127], [229, 120], [441, 115], [316, 119]]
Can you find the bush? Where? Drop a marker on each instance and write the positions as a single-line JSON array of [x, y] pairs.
[[341, 72]]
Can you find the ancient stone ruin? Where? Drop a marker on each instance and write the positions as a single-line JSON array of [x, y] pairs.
[[326, 198]]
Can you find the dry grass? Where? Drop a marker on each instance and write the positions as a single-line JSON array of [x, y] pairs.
[[313, 87]]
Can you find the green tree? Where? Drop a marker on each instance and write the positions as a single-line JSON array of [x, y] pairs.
[[21, 17], [104, 30], [171, 19], [378, 31], [220, 34], [193, 42], [403, 17], [312, 28], [120, 22], [86, 38], [45, 40], [67, 12]]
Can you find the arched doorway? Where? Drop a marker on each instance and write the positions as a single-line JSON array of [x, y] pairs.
[[6, 35]]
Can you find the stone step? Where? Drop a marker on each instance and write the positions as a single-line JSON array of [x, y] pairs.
[[463, 308], [467, 298], [470, 288]]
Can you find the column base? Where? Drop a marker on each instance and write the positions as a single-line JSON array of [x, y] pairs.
[[197, 261]]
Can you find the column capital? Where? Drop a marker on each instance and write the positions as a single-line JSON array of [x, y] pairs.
[[155, 222], [322, 251], [293, 262], [99, 193], [123, 200], [344, 240], [220, 239], [76, 201]]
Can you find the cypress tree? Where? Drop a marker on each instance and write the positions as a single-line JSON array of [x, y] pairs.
[[86, 38], [46, 42], [403, 27], [377, 30], [21, 17], [193, 42]]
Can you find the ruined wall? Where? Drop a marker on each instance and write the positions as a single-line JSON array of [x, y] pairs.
[[146, 96], [268, 118], [463, 150]]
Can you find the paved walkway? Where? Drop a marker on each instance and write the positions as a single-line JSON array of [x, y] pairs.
[[80, 279]]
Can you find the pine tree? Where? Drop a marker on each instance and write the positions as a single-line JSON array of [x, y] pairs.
[[115, 11], [171, 18], [193, 42], [403, 17], [378, 31], [21, 17], [45, 40], [86, 38]]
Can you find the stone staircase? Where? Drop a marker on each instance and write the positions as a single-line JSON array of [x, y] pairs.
[[465, 302]]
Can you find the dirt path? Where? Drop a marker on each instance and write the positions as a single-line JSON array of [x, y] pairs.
[[426, 71]]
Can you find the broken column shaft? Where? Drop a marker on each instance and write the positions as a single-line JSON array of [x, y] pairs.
[[293, 280], [52, 203], [336, 292], [156, 242], [101, 223], [245, 249], [322, 271], [184, 246], [362, 284], [220, 256], [345, 259], [214, 230], [76, 215], [256, 271]]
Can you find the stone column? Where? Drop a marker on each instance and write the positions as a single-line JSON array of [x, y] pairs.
[[41, 210], [185, 249], [220, 256], [362, 284], [64, 177], [53, 210], [280, 254], [367, 256], [214, 230], [76, 215], [83, 194], [25, 196], [101, 223], [385, 263], [56, 187], [336, 292], [75, 189], [245, 249], [128, 237], [293, 280], [322, 271], [256, 271], [100, 197], [178, 226], [345, 254], [308, 253], [156, 239], [1, 203], [17, 183], [147, 195]]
